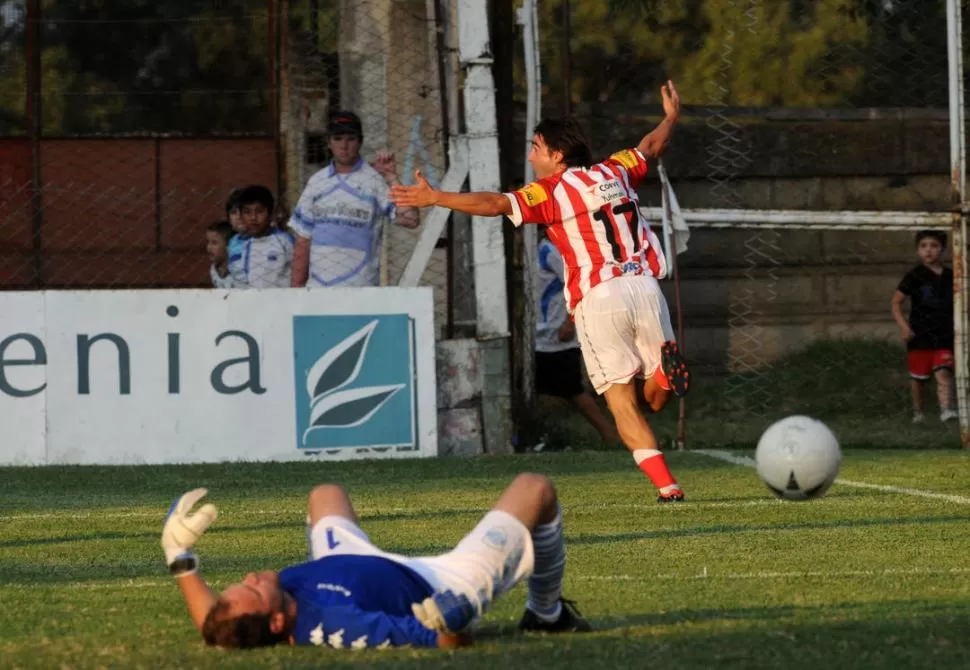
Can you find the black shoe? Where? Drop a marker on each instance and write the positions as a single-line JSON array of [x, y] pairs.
[[675, 368], [676, 495], [569, 621]]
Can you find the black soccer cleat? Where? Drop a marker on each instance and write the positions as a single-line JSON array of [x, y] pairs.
[[675, 368], [569, 621]]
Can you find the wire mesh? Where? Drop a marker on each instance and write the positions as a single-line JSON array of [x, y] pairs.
[[830, 344], [125, 127], [836, 105]]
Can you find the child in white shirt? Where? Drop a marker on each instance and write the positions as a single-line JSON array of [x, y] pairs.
[[262, 255]]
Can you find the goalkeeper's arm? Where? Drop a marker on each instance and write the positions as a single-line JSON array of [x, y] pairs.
[[199, 598], [181, 531]]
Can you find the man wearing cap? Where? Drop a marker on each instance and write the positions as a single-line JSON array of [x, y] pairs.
[[340, 216]]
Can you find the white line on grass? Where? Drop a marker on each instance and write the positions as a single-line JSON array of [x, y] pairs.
[[374, 514], [85, 586], [749, 462], [766, 575], [704, 574]]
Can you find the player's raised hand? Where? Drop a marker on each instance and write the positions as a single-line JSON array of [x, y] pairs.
[[182, 530], [421, 194], [671, 100], [385, 164]]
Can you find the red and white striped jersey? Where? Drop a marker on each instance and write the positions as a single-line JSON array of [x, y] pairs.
[[593, 219]]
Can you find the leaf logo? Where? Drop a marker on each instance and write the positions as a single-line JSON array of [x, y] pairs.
[[332, 407]]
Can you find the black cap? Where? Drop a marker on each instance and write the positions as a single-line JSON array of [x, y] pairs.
[[344, 123]]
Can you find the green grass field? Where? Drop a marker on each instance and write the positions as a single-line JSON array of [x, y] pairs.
[[859, 387], [864, 578]]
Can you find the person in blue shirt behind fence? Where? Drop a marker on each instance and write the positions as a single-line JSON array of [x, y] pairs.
[[339, 218], [260, 256], [353, 595]]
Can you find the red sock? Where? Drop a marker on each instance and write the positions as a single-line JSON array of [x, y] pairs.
[[654, 466]]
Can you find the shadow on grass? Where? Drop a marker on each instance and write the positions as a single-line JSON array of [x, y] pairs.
[[127, 486], [609, 538], [882, 636]]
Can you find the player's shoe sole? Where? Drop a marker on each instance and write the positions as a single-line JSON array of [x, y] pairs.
[[675, 368], [673, 496], [569, 621]]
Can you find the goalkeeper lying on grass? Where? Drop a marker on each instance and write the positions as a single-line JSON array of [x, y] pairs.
[[353, 595]]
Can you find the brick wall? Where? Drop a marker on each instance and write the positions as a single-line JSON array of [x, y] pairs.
[[119, 213]]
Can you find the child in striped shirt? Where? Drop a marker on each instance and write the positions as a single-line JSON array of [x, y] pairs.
[[261, 256]]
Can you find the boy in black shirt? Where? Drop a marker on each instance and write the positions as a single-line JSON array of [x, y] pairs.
[[929, 331]]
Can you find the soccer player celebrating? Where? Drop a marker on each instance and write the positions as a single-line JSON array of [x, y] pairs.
[[352, 595], [612, 260]]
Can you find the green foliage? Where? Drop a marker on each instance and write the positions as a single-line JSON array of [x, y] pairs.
[[202, 66], [749, 53], [767, 56], [144, 67]]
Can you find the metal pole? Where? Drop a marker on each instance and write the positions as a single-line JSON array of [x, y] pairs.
[[315, 23], [766, 218], [277, 11], [449, 122], [680, 440], [33, 110], [958, 176], [528, 19], [567, 59]]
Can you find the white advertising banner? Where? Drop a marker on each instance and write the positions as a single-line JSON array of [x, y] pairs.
[[131, 377]]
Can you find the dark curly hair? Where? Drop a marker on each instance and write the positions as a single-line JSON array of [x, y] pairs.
[[242, 632], [567, 136]]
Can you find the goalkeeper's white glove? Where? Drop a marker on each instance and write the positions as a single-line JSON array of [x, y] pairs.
[[182, 530]]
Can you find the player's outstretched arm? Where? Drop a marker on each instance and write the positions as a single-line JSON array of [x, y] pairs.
[[179, 534], [654, 142], [423, 194]]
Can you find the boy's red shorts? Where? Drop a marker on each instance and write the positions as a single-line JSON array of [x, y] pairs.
[[922, 363]]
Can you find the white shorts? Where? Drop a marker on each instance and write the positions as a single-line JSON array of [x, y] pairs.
[[622, 324], [488, 562]]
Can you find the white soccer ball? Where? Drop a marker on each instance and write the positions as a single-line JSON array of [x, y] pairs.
[[798, 458]]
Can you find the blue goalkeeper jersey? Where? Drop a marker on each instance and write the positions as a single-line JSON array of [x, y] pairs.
[[352, 602]]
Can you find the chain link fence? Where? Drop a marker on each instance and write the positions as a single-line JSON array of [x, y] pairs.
[[834, 106], [125, 128]]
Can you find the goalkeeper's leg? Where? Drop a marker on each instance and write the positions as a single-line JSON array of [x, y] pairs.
[[329, 500], [332, 525], [521, 537]]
